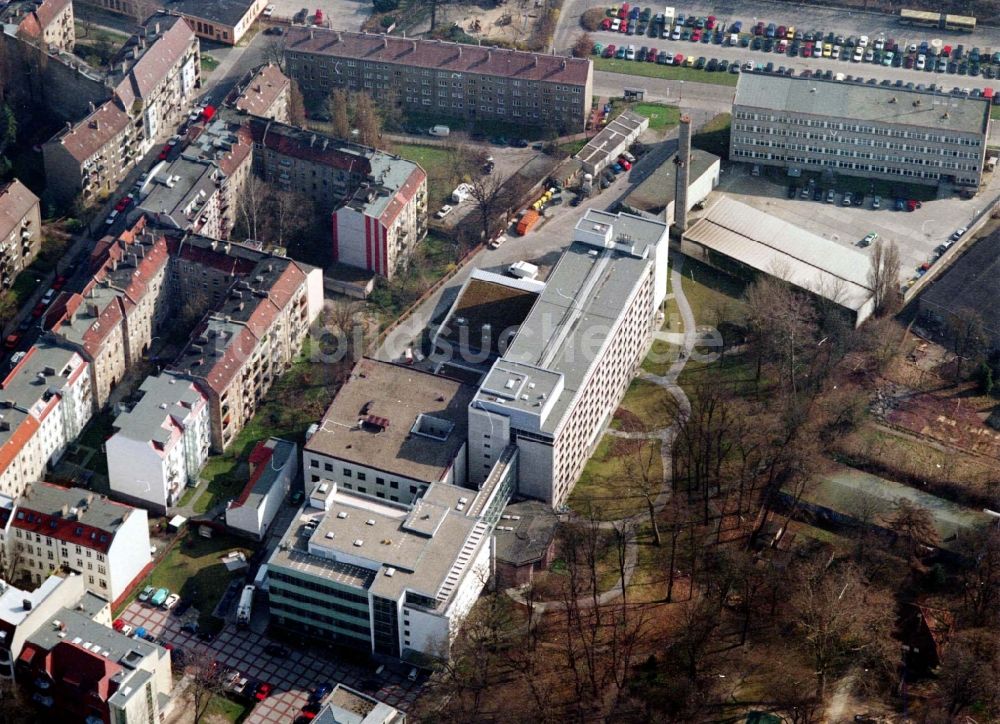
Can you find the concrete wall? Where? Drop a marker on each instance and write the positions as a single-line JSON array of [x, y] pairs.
[[128, 554]]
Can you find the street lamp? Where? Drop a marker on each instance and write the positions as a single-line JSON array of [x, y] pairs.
[[681, 93]]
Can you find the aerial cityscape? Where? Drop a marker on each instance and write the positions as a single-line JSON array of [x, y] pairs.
[[499, 360]]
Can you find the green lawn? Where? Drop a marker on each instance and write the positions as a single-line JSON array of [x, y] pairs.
[[994, 112], [225, 709], [295, 401], [573, 147], [438, 162], [604, 485], [714, 136], [670, 72], [208, 63], [644, 406], [661, 117], [193, 568], [25, 285]]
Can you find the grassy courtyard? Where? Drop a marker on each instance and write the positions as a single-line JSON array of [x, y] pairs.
[[661, 117], [669, 72], [438, 162], [607, 484]]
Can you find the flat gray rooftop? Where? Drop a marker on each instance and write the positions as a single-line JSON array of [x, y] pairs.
[[164, 397], [370, 421], [626, 125], [586, 293], [863, 102], [658, 190]]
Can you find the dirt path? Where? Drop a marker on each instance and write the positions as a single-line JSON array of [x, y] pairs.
[[664, 435]]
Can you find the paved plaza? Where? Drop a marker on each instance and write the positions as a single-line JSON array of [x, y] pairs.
[[292, 677]]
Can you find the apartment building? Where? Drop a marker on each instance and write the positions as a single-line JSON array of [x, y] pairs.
[[49, 22], [809, 124], [20, 230], [52, 528], [380, 225], [274, 465], [24, 612], [111, 323], [160, 444], [82, 670], [467, 82], [378, 201], [242, 346], [45, 401], [90, 158], [153, 82], [573, 356], [199, 192], [264, 92]]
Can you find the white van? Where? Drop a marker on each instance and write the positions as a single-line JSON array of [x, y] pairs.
[[440, 131]]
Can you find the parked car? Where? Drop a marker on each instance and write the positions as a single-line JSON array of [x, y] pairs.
[[171, 601], [276, 650], [959, 233], [877, 202], [262, 691], [320, 692], [146, 593], [831, 196], [869, 239], [159, 596]]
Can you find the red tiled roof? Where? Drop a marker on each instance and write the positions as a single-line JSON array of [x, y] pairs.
[[94, 132], [258, 459], [16, 200], [455, 57], [154, 64], [232, 160], [292, 142], [402, 197], [49, 10], [261, 91], [235, 266], [10, 449]]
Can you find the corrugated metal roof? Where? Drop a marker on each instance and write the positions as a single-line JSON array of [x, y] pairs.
[[862, 102], [769, 244]]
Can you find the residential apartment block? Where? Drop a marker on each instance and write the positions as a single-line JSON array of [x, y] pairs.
[[378, 201], [113, 320], [45, 401], [22, 612], [49, 22], [160, 444], [52, 528], [573, 356], [152, 84], [274, 464], [264, 92], [20, 230], [85, 671], [244, 344], [468, 82], [808, 124]]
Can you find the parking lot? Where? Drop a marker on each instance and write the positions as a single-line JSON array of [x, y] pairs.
[[292, 677], [916, 233], [341, 14]]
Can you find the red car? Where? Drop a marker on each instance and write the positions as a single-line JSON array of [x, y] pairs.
[[913, 205], [59, 282], [38, 311], [11, 341], [946, 51], [710, 22], [319, 17], [606, 24], [623, 11], [263, 691], [696, 36], [165, 152], [624, 163], [651, 56], [678, 59], [609, 51], [122, 204], [118, 625]]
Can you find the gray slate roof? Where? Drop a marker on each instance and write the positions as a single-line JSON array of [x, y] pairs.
[[863, 102]]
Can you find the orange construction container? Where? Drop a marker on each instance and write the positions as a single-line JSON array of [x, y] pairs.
[[527, 221]]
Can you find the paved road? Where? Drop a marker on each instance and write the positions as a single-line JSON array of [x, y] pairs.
[[838, 20], [543, 245]]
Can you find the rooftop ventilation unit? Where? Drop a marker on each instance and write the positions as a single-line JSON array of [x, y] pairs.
[[358, 543], [342, 515]]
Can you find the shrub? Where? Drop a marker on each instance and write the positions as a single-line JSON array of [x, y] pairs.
[[591, 19], [385, 6], [387, 21]]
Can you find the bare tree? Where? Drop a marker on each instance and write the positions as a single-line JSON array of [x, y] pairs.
[[337, 104], [274, 51], [583, 46], [488, 193], [981, 576], [287, 215], [366, 119], [968, 336], [142, 9], [14, 708], [914, 524], [883, 277], [206, 681], [782, 323], [296, 106], [251, 207], [969, 672], [643, 473]]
